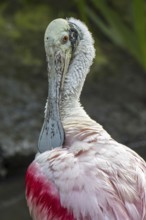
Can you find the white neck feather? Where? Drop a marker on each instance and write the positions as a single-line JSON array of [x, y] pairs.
[[78, 69]]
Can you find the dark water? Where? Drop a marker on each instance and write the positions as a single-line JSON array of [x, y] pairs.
[[12, 195]]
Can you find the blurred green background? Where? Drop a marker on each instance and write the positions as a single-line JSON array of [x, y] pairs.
[[114, 93]]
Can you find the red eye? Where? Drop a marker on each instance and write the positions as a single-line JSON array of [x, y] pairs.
[[65, 39]]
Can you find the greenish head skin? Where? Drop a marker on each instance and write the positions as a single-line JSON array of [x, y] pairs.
[[61, 38], [54, 36]]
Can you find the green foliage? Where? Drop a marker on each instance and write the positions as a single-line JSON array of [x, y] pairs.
[[130, 36], [27, 20], [27, 23], [21, 37], [139, 23]]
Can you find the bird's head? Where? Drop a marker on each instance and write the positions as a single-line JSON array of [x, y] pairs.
[[61, 39], [69, 52]]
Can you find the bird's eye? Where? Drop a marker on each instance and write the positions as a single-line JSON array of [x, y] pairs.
[[65, 39]]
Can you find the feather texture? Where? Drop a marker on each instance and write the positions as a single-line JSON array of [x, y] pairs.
[[90, 177]]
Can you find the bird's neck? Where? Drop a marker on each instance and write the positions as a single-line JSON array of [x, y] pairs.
[[74, 118], [78, 69], [74, 80], [71, 109]]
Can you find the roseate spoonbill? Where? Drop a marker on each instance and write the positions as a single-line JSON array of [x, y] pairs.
[[81, 173]]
